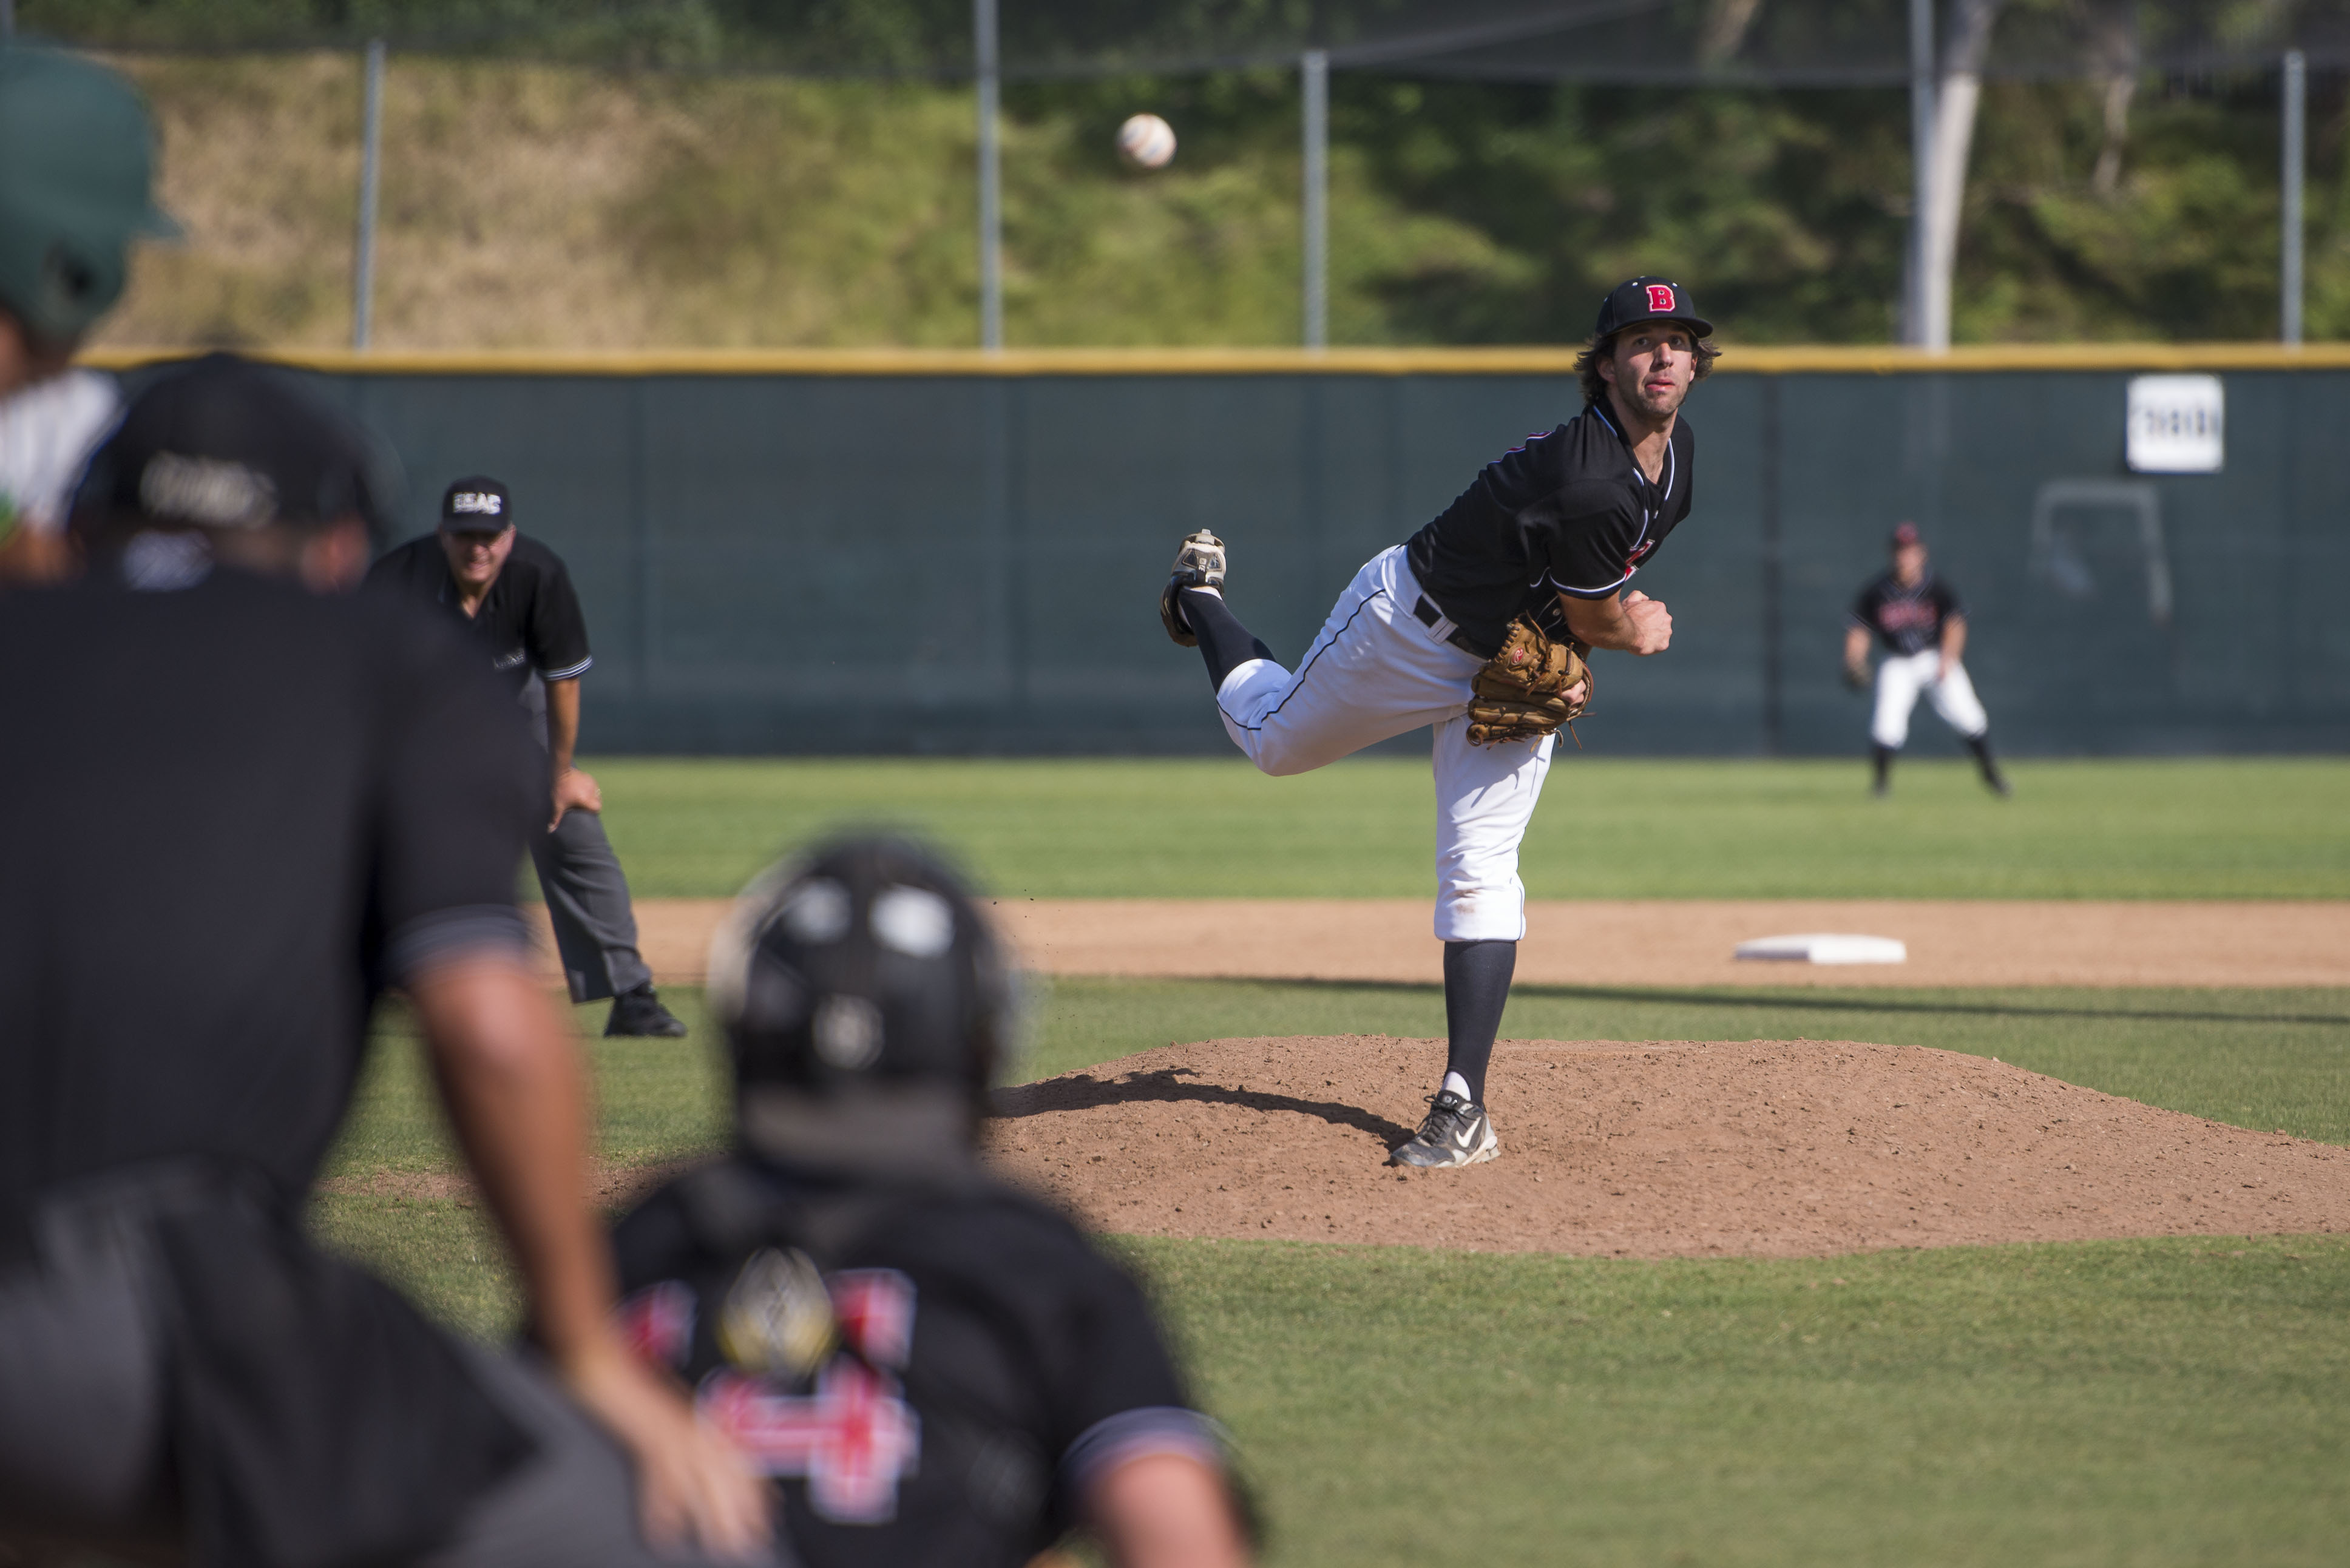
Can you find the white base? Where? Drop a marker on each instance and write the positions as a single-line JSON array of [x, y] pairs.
[[1823, 946]]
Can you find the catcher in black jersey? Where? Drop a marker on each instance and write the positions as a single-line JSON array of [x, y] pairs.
[[1918, 619], [935, 1369]]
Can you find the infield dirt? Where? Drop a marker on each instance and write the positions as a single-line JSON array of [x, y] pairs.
[[1951, 942], [1771, 1149]]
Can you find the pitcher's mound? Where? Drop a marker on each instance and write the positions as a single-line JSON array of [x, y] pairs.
[[1768, 1147]]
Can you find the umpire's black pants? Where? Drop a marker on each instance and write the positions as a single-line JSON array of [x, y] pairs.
[[587, 904], [84, 1460]]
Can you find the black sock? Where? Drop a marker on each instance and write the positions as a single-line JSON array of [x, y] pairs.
[[1476, 986], [1883, 757], [1224, 642], [1980, 746]]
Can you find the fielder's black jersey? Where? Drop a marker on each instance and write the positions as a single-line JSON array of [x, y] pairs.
[[1568, 512], [931, 1377], [1907, 620], [530, 620], [231, 812]]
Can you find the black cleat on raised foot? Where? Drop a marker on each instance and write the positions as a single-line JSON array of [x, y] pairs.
[[1199, 563], [1455, 1133], [638, 1013]]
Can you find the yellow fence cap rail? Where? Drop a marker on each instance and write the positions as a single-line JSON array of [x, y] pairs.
[[1875, 359]]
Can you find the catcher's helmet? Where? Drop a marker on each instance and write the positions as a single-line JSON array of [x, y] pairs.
[[859, 975]]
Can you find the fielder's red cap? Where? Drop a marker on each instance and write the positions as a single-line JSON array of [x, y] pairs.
[[1905, 534]]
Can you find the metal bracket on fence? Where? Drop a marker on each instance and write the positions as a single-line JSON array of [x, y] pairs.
[[2055, 560]]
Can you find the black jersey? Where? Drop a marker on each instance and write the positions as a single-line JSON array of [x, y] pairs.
[[230, 813], [1568, 512], [529, 622], [1907, 620], [966, 1362]]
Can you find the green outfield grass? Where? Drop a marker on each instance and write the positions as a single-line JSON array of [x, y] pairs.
[[1613, 829], [2144, 1403]]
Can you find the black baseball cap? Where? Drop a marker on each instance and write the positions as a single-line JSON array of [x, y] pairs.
[[476, 505], [224, 442], [1648, 299]]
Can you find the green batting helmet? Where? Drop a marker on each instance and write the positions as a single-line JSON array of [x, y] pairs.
[[77, 168]]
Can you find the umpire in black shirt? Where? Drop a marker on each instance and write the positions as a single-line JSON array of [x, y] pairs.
[[187, 986], [514, 596]]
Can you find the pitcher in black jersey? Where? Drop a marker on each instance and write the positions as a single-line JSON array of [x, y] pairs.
[[934, 1370], [1923, 626], [1554, 530]]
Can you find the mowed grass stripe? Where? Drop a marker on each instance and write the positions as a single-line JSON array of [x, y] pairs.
[[2132, 1402], [1607, 829]]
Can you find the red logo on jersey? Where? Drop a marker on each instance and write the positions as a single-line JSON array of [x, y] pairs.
[[1632, 562], [856, 1436], [656, 1323], [1661, 297]]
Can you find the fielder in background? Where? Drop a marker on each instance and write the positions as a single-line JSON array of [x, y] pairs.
[[75, 165], [938, 1371], [1476, 626], [516, 598], [185, 1375], [1918, 617]]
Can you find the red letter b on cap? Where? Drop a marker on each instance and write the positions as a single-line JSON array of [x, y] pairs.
[[1660, 296]]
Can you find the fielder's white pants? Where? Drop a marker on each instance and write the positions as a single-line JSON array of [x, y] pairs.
[[1900, 679], [1375, 672]]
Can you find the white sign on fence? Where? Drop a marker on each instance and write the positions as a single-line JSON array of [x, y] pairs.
[[2177, 424]]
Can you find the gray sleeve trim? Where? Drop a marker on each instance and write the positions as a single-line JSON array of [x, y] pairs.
[[1131, 1435], [573, 674], [470, 931], [1589, 593]]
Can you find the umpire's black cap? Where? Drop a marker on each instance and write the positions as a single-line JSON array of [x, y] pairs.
[[860, 971], [223, 443], [1648, 299], [478, 504]]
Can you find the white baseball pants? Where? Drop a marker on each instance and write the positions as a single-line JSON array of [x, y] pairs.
[[1375, 672], [1900, 679]]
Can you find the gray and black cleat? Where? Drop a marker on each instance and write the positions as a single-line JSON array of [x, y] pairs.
[[1455, 1133], [1199, 563]]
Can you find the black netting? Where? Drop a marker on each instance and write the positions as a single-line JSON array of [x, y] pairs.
[[1777, 42]]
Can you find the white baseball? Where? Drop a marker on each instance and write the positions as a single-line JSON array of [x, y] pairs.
[[1147, 141]]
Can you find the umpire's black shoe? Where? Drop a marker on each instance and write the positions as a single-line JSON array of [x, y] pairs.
[[638, 1012]]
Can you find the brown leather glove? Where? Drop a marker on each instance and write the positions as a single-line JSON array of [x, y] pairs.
[[1521, 693]]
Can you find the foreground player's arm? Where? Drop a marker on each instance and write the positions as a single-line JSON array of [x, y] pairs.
[[1954, 643], [511, 1078], [574, 791], [1633, 623], [1167, 1510]]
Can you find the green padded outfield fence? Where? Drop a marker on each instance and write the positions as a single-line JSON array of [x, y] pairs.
[[960, 554]]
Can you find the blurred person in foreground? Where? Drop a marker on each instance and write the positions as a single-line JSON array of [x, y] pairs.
[[239, 804], [513, 597], [1916, 614], [935, 1368], [76, 169]]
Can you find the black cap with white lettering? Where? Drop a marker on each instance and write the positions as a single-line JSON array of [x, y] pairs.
[[1648, 299], [223, 443], [476, 505]]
